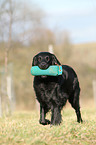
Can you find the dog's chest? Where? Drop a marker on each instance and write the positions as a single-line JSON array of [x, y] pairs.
[[48, 93], [48, 87], [46, 90]]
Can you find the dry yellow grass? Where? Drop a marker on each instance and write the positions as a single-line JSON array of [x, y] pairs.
[[23, 129]]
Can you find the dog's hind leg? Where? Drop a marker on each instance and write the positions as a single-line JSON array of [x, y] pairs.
[[43, 112], [74, 101]]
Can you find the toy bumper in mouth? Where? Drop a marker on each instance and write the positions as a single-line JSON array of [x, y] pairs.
[[53, 70]]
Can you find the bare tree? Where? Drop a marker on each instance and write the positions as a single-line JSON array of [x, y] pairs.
[[6, 15], [17, 18], [17, 21]]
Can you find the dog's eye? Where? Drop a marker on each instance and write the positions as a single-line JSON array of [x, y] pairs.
[[39, 58], [47, 58]]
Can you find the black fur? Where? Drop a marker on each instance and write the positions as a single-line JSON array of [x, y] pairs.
[[52, 92]]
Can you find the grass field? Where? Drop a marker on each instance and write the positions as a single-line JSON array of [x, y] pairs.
[[23, 129]]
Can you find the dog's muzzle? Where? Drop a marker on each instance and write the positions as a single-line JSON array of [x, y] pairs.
[[43, 65]]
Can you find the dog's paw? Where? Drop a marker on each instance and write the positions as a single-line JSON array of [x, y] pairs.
[[45, 122]]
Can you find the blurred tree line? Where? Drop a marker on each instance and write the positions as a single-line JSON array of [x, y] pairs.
[[23, 24], [23, 33]]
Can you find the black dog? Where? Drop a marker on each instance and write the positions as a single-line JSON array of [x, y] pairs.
[[53, 91]]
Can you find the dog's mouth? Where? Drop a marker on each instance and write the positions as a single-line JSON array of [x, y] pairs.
[[43, 66], [43, 77]]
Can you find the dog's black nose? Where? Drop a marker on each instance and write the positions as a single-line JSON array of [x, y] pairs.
[[43, 65]]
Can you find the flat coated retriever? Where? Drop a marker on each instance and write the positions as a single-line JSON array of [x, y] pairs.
[[52, 92]]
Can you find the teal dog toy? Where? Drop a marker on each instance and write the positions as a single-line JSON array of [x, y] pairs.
[[53, 70]]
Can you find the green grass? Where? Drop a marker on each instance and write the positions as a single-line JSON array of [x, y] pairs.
[[23, 129]]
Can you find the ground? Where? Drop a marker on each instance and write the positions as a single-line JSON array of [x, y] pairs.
[[22, 128]]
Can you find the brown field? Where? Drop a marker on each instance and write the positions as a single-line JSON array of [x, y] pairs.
[[82, 59]]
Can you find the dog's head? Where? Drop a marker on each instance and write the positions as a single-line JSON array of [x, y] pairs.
[[44, 59]]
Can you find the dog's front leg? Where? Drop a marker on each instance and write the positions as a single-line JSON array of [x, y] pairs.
[[56, 115], [42, 120]]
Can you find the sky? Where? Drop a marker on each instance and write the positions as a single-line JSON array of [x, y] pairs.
[[77, 17]]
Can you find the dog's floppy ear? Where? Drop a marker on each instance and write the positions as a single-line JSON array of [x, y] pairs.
[[34, 62], [55, 60]]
